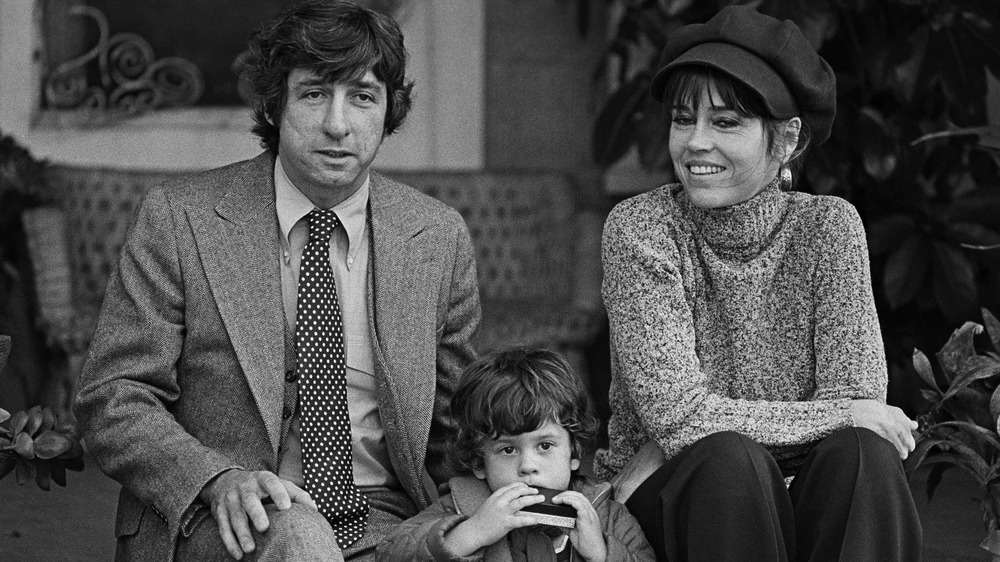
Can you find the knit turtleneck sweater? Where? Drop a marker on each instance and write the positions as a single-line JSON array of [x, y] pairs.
[[756, 318]]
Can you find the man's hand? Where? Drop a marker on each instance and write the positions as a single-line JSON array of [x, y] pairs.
[[494, 519], [234, 497], [888, 421], [588, 536]]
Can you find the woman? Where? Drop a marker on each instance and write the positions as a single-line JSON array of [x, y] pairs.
[[744, 336]]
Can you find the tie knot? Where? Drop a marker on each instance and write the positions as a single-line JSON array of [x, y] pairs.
[[321, 224]]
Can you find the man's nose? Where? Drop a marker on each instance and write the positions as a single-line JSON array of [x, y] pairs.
[[335, 121]]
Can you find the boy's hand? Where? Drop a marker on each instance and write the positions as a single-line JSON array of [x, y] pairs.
[[587, 537], [494, 519]]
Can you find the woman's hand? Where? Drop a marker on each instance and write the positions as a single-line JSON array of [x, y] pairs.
[[888, 421], [588, 535], [496, 517]]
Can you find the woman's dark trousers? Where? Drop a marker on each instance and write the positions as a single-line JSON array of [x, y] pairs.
[[724, 498]]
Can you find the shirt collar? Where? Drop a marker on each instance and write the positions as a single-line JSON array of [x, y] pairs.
[[292, 205]]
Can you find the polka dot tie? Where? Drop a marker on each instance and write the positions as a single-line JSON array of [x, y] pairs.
[[326, 425]]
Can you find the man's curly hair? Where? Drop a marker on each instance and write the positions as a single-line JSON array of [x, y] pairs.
[[338, 41], [517, 391]]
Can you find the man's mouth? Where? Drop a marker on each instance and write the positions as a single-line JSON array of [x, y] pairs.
[[335, 153], [700, 170]]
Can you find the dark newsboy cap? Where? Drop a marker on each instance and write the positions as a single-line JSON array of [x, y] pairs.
[[771, 57]]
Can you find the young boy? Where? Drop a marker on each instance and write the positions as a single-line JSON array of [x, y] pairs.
[[523, 417]]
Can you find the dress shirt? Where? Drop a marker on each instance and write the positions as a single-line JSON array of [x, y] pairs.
[[349, 256]]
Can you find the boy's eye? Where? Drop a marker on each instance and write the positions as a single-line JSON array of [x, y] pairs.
[[507, 450]]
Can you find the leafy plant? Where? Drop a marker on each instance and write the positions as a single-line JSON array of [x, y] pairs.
[[959, 429], [910, 148], [35, 445]]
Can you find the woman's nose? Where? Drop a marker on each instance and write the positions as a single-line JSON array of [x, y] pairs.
[[700, 137]]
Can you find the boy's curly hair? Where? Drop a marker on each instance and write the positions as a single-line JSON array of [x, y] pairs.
[[516, 391]]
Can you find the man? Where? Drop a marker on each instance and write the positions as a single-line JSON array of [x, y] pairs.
[[216, 385]]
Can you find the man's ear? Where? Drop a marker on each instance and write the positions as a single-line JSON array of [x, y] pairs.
[[789, 138]]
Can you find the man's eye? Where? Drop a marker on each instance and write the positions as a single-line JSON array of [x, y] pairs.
[[312, 95], [366, 97], [545, 446]]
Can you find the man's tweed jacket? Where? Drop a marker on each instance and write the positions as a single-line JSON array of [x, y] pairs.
[[185, 376]]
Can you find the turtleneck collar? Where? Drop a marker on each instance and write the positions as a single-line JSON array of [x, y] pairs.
[[741, 231]]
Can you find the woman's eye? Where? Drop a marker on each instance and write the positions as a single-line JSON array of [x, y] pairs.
[[682, 120], [727, 123]]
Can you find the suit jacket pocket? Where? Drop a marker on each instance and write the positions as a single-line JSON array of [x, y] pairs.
[[129, 516]]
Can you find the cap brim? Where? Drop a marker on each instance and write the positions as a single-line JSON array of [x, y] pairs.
[[740, 64]]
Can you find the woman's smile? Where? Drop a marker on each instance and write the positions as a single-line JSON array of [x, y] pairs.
[[701, 170], [720, 156]]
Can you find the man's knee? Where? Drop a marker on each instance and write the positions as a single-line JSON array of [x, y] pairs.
[[297, 533]]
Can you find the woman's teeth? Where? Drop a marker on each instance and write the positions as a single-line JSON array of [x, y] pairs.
[[699, 170]]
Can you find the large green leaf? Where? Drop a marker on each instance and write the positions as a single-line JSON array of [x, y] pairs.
[[916, 458], [905, 271], [954, 282], [984, 30], [890, 232], [7, 462], [970, 458], [58, 472], [958, 349], [43, 474], [992, 328], [971, 404], [51, 444], [974, 368], [988, 135], [615, 125], [980, 433], [995, 407], [974, 236], [922, 365], [958, 461], [24, 471], [653, 138]]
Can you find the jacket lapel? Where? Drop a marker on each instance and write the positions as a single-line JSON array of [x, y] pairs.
[[403, 292], [239, 248]]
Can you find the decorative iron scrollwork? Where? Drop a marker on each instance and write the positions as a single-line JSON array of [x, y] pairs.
[[132, 81]]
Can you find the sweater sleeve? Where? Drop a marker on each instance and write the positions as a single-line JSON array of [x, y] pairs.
[[850, 357], [653, 349], [421, 537]]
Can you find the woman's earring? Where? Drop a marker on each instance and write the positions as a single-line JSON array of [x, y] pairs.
[[786, 178]]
